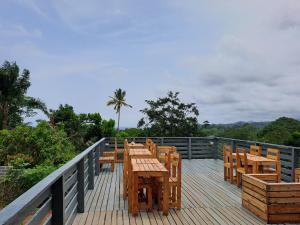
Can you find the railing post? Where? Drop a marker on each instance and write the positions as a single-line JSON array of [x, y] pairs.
[[216, 146], [58, 206], [162, 141], [80, 186], [233, 145], [97, 165], [91, 170], [190, 148], [294, 163]]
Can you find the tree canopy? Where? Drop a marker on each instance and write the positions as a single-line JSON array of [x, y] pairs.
[[168, 116], [82, 129], [13, 100]]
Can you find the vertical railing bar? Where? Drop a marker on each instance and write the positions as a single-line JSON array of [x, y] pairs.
[[91, 170], [215, 147], [161, 141], [58, 204], [190, 147], [80, 186], [97, 165], [294, 162], [233, 145]]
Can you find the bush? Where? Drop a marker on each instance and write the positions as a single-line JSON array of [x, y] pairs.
[[42, 143], [20, 178]]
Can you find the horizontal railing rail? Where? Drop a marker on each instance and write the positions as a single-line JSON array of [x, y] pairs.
[[212, 147], [57, 198], [61, 195]]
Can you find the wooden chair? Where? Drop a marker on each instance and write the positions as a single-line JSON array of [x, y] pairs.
[[153, 150], [255, 150], [174, 168], [118, 151], [273, 154], [241, 165], [297, 175], [148, 142], [163, 151], [229, 165], [108, 158]]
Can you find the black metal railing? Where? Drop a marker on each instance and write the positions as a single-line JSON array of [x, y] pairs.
[[60, 196]]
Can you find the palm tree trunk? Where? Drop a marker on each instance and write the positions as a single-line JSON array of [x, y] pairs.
[[119, 121]]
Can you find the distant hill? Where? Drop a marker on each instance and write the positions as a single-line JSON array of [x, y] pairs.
[[239, 124]]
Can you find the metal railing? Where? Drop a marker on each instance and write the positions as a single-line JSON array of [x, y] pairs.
[[60, 196], [57, 198]]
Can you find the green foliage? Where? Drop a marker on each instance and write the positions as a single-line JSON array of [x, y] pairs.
[[13, 100], [245, 132], [281, 131], [42, 143], [168, 116], [294, 140], [82, 129], [20, 178]]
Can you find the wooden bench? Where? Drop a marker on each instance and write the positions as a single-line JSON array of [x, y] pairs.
[[274, 202]]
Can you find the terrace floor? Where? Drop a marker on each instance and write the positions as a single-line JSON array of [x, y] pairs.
[[206, 199]]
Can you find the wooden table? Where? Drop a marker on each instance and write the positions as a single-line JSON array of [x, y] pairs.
[[153, 168], [139, 153], [256, 161], [136, 145]]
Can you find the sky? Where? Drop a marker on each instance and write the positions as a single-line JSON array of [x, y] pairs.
[[237, 60]]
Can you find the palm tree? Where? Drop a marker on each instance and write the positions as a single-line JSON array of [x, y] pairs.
[[118, 100]]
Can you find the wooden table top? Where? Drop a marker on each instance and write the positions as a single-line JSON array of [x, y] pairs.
[[148, 167], [135, 145], [139, 151], [145, 161], [256, 158]]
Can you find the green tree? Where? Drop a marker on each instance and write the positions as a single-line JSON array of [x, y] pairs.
[[82, 129], [245, 132], [118, 101], [13, 100], [168, 116], [280, 131]]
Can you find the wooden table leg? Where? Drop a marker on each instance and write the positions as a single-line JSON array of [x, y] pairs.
[[134, 194], [166, 195]]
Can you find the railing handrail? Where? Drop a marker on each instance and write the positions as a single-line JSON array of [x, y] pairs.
[[9, 212], [223, 138], [258, 142]]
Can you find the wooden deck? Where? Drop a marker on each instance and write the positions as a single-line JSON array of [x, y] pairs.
[[206, 199]]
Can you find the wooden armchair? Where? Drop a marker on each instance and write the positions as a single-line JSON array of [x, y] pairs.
[[255, 150], [229, 165]]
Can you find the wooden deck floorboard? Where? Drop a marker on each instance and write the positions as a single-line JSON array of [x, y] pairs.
[[206, 199]]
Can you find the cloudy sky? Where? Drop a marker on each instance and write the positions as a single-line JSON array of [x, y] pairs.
[[238, 60]]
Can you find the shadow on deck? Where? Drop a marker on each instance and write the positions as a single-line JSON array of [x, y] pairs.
[[206, 199]]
